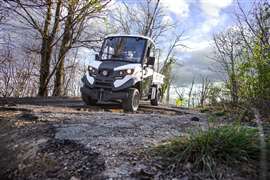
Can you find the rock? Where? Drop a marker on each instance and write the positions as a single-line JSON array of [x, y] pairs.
[[29, 117], [143, 172], [195, 119]]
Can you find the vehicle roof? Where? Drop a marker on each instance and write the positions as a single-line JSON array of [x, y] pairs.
[[130, 35]]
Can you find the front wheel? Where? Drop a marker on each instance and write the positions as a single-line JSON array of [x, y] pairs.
[[132, 102], [88, 101]]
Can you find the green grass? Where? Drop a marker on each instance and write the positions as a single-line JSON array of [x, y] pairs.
[[226, 145], [219, 113]]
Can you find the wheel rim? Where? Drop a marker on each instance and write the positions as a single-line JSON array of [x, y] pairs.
[[136, 101]]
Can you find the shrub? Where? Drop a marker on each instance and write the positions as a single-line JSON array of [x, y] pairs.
[[226, 145]]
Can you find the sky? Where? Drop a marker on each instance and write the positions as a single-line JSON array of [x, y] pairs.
[[199, 19]]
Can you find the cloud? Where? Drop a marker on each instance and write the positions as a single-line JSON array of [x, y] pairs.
[[194, 44], [195, 65], [167, 20], [180, 8], [209, 23], [212, 8]]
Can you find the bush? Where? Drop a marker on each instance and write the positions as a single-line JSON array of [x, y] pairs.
[[219, 113], [225, 145]]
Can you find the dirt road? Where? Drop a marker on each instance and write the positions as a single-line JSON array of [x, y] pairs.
[[62, 139]]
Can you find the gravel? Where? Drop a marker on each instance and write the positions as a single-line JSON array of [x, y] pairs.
[[86, 145]]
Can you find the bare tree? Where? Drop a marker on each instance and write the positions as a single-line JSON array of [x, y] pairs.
[[79, 12], [17, 78], [205, 85], [58, 31], [228, 52], [146, 19], [190, 91], [169, 61], [44, 17], [180, 92]]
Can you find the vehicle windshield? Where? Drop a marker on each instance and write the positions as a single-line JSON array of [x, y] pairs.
[[123, 49]]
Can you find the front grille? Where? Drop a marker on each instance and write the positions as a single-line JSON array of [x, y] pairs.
[[106, 84]]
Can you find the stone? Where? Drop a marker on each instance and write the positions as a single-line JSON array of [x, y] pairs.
[[195, 119]]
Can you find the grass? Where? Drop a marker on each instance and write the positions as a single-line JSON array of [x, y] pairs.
[[225, 145]]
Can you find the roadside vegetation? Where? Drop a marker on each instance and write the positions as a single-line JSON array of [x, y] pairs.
[[214, 151]]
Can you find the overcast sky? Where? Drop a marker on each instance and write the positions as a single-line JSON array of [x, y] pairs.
[[200, 19]]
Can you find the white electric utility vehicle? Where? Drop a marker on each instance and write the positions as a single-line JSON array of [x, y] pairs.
[[125, 70]]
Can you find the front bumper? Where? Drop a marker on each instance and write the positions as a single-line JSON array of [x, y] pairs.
[[103, 94], [107, 83]]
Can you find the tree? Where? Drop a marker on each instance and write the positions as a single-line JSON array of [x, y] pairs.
[[17, 77], [180, 93], [228, 51], [46, 24], [166, 69], [146, 19], [254, 26], [190, 92], [79, 12], [214, 94], [255, 29], [58, 31], [205, 85]]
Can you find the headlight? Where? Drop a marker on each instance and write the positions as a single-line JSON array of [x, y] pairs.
[[125, 72], [92, 70]]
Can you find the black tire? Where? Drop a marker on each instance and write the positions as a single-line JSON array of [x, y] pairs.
[[155, 102], [131, 104], [88, 101]]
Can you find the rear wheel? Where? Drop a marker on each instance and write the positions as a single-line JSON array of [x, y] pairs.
[[88, 101], [155, 102], [132, 102]]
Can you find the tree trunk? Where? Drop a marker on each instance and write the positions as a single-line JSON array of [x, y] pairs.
[[59, 79], [234, 90], [65, 46], [46, 49], [168, 94], [190, 92]]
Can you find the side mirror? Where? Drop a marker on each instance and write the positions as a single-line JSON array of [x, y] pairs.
[[96, 57], [151, 61]]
